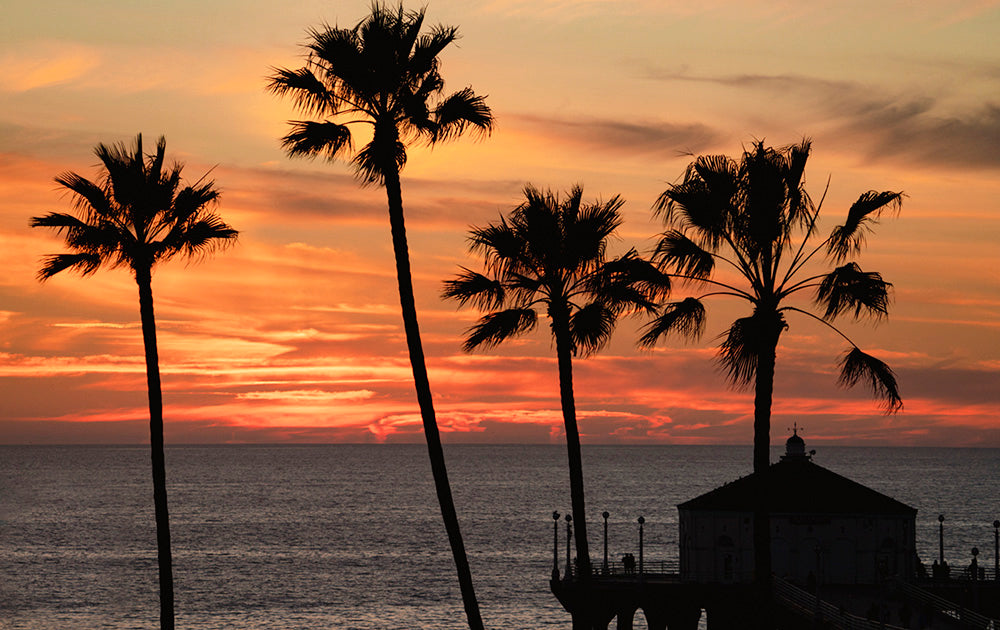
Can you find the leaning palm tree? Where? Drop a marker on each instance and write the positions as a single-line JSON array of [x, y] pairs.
[[754, 218], [551, 253], [137, 215], [384, 74]]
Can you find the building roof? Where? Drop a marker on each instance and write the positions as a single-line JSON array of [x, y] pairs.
[[798, 486]]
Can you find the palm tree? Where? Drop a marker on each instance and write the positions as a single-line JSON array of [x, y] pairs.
[[754, 218], [136, 216], [384, 74], [551, 253]]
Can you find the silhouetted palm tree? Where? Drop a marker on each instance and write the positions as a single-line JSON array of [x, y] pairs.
[[550, 253], [136, 216], [384, 73], [754, 217]]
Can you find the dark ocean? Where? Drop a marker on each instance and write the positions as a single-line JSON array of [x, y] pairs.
[[350, 536]]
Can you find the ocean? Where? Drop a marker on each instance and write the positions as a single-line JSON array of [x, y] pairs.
[[350, 536]]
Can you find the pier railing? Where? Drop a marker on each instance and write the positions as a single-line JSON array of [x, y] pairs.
[[618, 568], [946, 607], [805, 604], [655, 570]]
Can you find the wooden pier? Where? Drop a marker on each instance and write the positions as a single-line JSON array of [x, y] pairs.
[[615, 594]]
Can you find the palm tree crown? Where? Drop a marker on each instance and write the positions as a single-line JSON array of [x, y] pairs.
[[383, 73], [136, 215], [746, 215], [551, 253]]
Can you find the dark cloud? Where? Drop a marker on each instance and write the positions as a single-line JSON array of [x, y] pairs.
[[51, 142], [662, 139], [319, 197], [903, 127]]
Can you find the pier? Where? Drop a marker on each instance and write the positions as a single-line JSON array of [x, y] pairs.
[[843, 556], [616, 592]]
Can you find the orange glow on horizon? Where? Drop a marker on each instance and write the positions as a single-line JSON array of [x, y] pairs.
[[295, 333]]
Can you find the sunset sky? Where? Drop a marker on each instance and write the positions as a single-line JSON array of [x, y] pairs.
[[295, 335]]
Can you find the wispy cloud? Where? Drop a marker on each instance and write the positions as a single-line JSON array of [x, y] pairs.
[[55, 63], [646, 139], [904, 127]]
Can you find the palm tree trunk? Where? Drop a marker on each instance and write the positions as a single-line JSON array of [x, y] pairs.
[[763, 391], [422, 385], [564, 354], [163, 555]]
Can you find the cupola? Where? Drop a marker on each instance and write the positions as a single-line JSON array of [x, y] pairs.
[[795, 447]]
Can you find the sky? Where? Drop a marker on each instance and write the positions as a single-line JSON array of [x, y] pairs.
[[294, 335]]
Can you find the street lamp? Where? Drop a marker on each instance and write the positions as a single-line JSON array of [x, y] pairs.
[[996, 550], [605, 515], [555, 545], [941, 539], [569, 545], [642, 521]]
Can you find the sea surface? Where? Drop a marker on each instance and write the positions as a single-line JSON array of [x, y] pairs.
[[350, 536]]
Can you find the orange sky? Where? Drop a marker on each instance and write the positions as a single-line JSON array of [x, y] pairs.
[[294, 335]]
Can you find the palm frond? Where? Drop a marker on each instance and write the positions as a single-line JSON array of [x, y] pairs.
[[857, 366], [308, 93], [428, 47], [746, 341], [686, 318], [191, 200], [476, 289], [848, 288], [58, 220], [796, 157], [629, 282], [738, 352], [371, 162], [677, 252], [495, 328], [197, 239], [592, 222], [591, 326], [850, 237], [85, 264], [310, 138], [694, 205], [459, 111], [87, 195], [501, 246]]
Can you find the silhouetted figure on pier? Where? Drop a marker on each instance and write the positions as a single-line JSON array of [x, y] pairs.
[[628, 561]]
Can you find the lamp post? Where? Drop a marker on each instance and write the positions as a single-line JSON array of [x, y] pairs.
[[605, 515], [996, 550], [569, 546], [941, 539], [642, 521], [555, 545]]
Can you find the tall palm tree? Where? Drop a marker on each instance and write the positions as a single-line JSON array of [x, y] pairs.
[[137, 215], [383, 74], [551, 253], [754, 218]]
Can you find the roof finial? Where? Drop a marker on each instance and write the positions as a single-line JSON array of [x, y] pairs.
[[795, 447]]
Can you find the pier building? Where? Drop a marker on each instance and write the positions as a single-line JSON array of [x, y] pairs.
[[842, 556]]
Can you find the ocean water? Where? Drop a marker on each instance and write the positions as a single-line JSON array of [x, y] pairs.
[[350, 536]]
